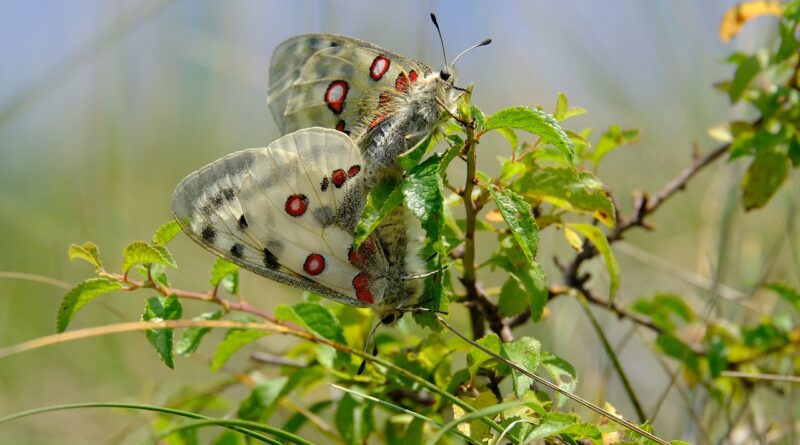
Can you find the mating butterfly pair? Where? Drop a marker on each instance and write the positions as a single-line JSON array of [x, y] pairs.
[[289, 211]]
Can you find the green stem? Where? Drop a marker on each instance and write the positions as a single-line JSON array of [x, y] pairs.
[[468, 278]]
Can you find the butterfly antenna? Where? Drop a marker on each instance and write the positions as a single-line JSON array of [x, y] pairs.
[[424, 275], [484, 43], [445, 74], [371, 336]]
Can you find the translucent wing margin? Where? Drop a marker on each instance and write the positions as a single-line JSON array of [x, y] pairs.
[[286, 211]]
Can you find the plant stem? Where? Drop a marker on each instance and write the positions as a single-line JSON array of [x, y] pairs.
[[468, 279]]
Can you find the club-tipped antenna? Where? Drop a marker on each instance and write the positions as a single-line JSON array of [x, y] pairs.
[[371, 336], [484, 43], [444, 74]]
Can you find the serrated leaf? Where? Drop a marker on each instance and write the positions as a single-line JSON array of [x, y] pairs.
[[596, 237], [321, 321], [563, 374], [763, 178], [433, 298], [792, 296], [162, 309], [525, 352], [88, 252], [191, 337], [234, 340], [423, 196], [476, 357], [555, 422], [166, 232], [412, 156], [613, 138], [221, 269], [381, 200], [139, 252], [517, 214], [478, 117], [533, 121], [81, 294], [571, 190]]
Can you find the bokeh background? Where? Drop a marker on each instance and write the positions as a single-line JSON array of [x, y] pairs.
[[105, 106]]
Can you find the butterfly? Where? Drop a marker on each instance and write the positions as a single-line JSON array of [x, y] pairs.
[[386, 102], [289, 212]]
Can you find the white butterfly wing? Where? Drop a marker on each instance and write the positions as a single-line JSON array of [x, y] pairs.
[[303, 68], [286, 211]]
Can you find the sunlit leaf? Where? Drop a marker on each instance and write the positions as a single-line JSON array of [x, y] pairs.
[[562, 373], [166, 232], [525, 352], [139, 252], [570, 190], [736, 16], [88, 252], [234, 340], [221, 269], [533, 121], [81, 294], [517, 214], [613, 138]]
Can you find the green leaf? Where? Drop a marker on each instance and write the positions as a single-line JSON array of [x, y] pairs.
[[571, 190], [221, 269], [476, 357], [162, 309], [87, 252], [532, 278], [525, 352], [81, 294], [747, 70], [517, 214], [563, 374], [139, 252], [613, 138], [555, 422], [762, 179], [382, 199], [513, 299], [478, 117], [787, 293], [510, 136], [564, 111], [662, 307], [166, 232], [191, 337], [411, 157], [794, 151], [717, 358], [319, 320], [596, 237], [423, 196], [434, 299], [677, 349], [533, 121], [258, 406], [351, 419], [234, 340]]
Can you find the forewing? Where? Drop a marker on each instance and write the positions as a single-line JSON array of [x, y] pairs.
[[303, 71], [278, 211]]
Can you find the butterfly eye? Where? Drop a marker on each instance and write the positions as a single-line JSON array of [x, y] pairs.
[[444, 74]]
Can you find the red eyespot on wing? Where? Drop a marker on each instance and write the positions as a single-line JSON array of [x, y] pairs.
[[413, 75], [379, 67], [376, 121], [340, 126], [401, 83], [365, 295], [296, 205], [361, 285], [338, 177], [353, 170], [336, 94], [314, 264]]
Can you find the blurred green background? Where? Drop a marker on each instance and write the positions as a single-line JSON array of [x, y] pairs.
[[105, 106]]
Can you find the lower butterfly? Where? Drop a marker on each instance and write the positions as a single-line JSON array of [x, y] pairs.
[[289, 212]]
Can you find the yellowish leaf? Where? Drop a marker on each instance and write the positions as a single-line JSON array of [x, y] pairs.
[[735, 17]]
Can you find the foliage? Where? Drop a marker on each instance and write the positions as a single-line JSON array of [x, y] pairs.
[[430, 387]]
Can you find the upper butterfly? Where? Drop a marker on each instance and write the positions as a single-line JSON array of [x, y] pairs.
[[386, 102]]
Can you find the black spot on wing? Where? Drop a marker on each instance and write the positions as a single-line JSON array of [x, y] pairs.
[[270, 260], [209, 234], [217, 200], [229, 193], [237, 249], [325, 183], [242, 222]]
